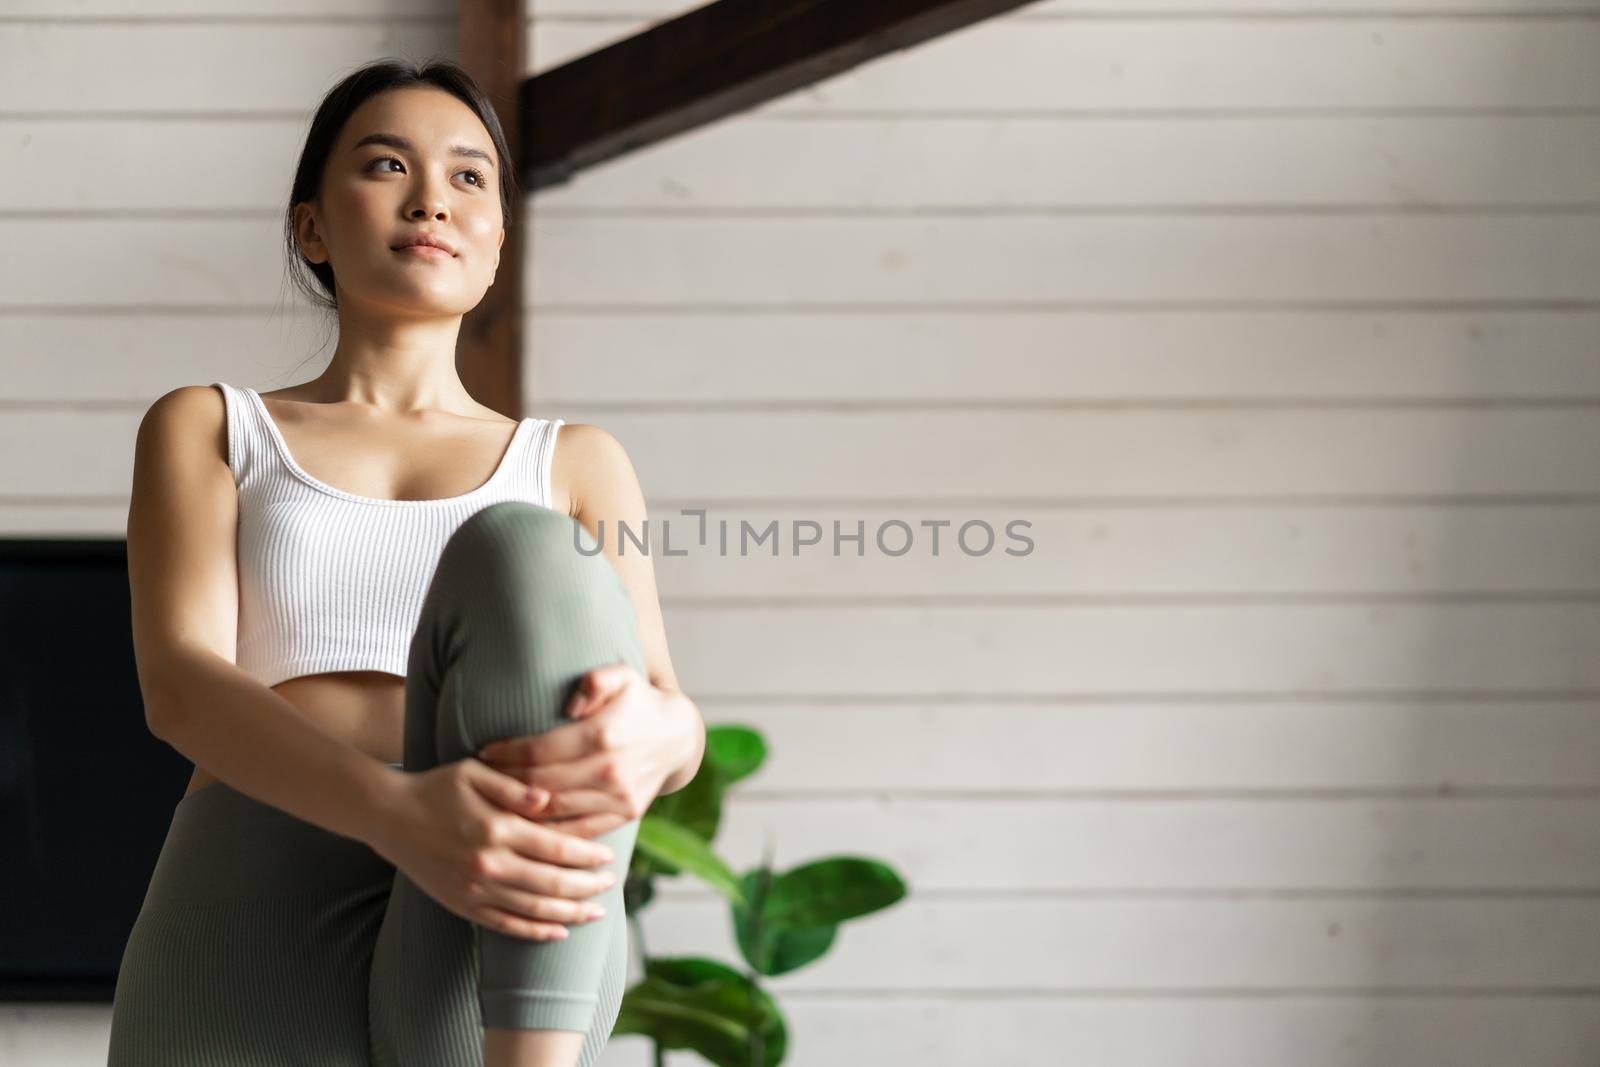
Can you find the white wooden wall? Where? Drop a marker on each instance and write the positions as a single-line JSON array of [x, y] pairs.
[[1282, 326]]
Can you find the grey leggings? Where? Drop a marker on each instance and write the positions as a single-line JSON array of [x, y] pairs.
[[264, 939]]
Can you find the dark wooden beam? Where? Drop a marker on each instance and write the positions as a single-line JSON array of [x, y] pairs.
[[708, 63], [489, 350]]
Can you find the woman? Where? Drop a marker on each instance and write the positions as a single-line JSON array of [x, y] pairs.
[[426, 699]]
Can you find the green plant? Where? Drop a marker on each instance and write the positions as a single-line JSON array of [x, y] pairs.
[[782, 921]]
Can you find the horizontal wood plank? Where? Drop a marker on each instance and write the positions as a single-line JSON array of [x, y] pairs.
[[789, 163], [955, 261], [1195, 946], [974, 846], [1108, 748]]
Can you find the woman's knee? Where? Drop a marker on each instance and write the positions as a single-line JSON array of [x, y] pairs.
[[532, 559], [515, 538], [512, 527]]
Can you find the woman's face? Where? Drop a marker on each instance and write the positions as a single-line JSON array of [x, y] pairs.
[[419, 171]]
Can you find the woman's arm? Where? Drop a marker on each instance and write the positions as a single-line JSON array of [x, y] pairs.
[[677, 703], [604, 487], [662, 738], [183, 579]]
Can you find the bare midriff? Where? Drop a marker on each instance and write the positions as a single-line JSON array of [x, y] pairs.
[[365, 709]]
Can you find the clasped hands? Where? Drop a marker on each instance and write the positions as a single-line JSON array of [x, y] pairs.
[[606, 766]]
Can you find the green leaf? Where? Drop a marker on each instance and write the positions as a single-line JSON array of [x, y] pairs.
[[789, 949], [704, 1006], [830, 891], [667, 841], [774, 950], [738, 750], [645, 868], [794, 919]]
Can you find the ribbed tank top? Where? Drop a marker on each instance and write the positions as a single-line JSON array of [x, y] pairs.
[[334, 581]]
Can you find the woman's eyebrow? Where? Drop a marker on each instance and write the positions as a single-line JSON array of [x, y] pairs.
[[394, 140]]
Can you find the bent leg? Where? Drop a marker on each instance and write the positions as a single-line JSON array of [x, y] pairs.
[[514, 616]]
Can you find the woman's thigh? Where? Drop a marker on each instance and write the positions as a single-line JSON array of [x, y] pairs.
[[253, 944]]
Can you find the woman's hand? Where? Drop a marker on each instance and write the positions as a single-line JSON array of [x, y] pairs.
[[455, 831], [607, 767]]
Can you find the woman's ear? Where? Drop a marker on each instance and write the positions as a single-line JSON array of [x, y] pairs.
[[305, 229]]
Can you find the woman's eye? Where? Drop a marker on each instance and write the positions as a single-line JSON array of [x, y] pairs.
[[476, 174]]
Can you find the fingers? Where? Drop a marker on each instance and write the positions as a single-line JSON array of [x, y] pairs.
[[517, 874], [559, 851], [528, 750], [573, 773], [516, 926], [538, 907], [503, 790], [594, 690], [598, 686], [571, 802]]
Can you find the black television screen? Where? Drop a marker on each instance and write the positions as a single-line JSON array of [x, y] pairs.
[[88, 791]]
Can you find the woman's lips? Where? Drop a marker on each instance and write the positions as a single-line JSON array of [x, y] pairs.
[[425, 250]]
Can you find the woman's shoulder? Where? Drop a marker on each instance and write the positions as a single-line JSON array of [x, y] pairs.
[[590, 469], [182, 440], [192, 417]]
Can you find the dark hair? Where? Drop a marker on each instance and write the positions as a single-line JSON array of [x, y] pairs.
[[336, 107]]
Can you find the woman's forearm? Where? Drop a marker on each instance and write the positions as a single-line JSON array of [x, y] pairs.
[[262, 745], [676, 701]]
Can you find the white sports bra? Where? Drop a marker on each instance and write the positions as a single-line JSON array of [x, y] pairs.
[[333, 581]]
